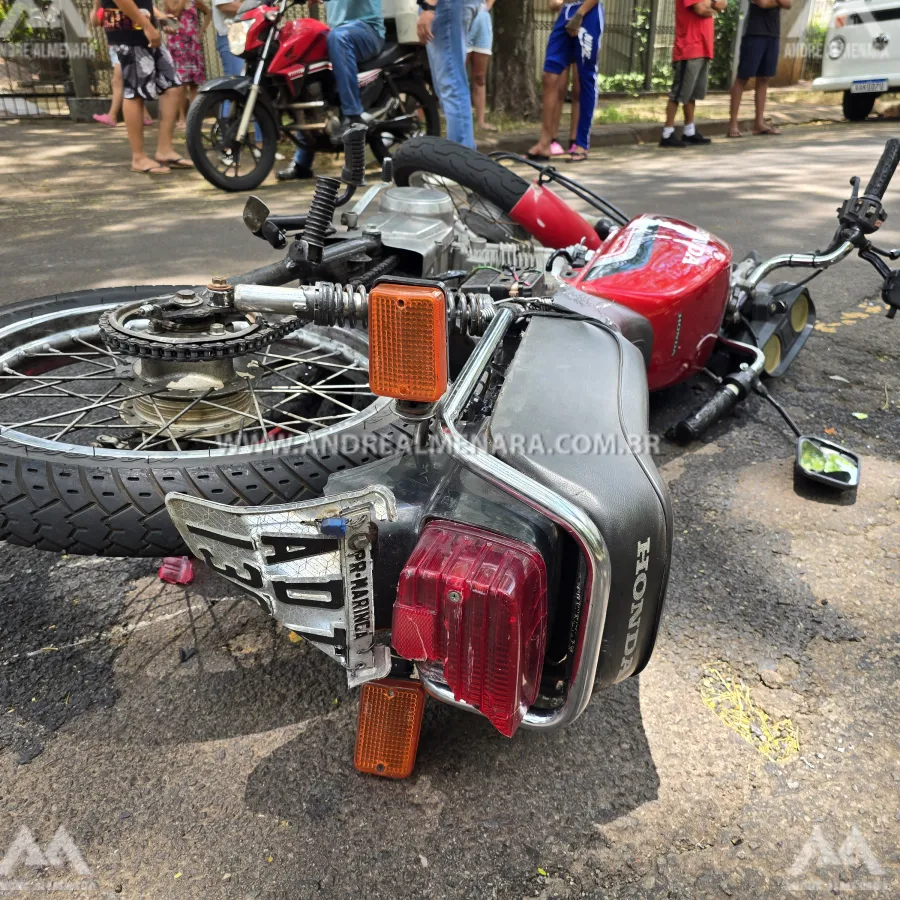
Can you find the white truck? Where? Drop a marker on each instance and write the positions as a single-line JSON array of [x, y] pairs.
[[862, 54]]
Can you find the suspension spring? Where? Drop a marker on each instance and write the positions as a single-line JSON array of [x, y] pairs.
[[318, 219], [348, 304]]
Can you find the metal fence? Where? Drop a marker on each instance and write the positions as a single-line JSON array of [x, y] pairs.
[[635, 51], [626, 38], [34, 73]]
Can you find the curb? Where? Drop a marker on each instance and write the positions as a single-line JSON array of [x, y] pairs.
[[649, 132]]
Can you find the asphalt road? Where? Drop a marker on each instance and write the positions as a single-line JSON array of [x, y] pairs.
[[230, 774]]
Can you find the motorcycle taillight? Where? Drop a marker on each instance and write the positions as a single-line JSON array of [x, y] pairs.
[[476, 602]]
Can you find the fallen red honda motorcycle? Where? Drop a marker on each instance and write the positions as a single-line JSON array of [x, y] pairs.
[[431, 458], [234, 125]]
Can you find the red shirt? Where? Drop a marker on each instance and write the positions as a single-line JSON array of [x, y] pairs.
[[694, 35]]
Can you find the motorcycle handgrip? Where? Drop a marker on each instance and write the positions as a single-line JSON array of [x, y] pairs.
[[884, 171], [723, 401]]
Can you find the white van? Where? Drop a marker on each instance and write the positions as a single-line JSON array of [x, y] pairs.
[[862, 54]]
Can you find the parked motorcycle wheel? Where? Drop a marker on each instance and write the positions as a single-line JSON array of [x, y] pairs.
[[482, 190], [80, 474], [212, 124], [385, 137]]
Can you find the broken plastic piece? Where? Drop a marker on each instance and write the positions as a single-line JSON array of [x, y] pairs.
[[177, 570]]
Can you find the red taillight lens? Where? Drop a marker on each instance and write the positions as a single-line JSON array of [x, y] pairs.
[[476, 602]]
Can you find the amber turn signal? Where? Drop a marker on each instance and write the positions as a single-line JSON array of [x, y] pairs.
[[408, 342], [387, 732]]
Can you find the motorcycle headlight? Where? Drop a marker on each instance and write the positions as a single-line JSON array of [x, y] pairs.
[[237, 36], [836, 47]]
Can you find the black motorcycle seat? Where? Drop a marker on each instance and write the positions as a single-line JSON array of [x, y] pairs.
[[387, 57], [579, 381]]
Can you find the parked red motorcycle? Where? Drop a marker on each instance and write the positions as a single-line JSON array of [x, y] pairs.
[[234, 125], [399, 459]]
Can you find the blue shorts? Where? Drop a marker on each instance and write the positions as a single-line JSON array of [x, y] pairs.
[[759, 56], [480, 38], [563, 50]]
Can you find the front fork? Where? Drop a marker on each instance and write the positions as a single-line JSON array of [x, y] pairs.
[[249, 106]]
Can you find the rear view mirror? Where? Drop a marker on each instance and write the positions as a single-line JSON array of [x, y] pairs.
[[827, 463], [255, 214]]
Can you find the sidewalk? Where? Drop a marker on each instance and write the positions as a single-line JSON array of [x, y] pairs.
[[638, 120]]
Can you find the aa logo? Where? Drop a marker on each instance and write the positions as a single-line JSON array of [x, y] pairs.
[[58, 867], [851, 867], [48, 16]]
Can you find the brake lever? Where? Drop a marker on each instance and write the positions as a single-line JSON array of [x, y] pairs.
[[890, 293], [887, 254]]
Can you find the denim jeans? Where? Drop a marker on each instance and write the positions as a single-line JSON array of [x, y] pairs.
[[348, 45], [447, 59], [231, 64]]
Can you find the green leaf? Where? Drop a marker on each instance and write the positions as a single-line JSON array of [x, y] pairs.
[[860, 415]]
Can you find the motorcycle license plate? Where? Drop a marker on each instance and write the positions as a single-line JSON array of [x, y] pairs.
[[870, 86], [308, 564]]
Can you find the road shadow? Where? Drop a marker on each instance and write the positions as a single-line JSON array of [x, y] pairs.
[[471, 785]]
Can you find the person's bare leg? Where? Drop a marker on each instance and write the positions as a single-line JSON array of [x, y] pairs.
[[576, 98], [760, 126], [551, 111], [480, 63], [737, 91], [133, 112], [169, 101], [182, 107], [688, 113], [671, 110], [115, 105]]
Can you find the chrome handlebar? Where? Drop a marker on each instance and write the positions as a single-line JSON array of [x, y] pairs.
[[795, 261]]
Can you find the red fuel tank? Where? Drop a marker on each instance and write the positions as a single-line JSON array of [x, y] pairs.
[[300, 41], [674, 274]]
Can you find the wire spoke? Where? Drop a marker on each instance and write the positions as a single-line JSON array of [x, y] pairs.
[[72, 425], [305, 383]]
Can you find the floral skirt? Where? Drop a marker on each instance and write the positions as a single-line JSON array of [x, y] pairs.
[[186, 49]]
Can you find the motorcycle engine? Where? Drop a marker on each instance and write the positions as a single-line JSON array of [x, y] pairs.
[[424, 221]]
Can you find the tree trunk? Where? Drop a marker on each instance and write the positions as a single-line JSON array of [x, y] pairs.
[[514, 80]]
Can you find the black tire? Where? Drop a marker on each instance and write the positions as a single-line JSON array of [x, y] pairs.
[[114, 505], [858, 106], [468, 168], [203, 106], [427, 102]]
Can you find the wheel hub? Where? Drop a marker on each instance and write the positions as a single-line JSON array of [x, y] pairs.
[[170, 395]]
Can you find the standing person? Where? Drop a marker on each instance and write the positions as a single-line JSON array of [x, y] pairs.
[[695, 36], [148, 73], [759, 59], [575, 38], [356, 34], [111, 117], [480, 46], [186, 48], [556, 149], [223, 10], [442, 27]]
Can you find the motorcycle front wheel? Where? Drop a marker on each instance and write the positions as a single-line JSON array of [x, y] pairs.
[[90, 445], [415, 113], [211, 137], [483, 191]]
